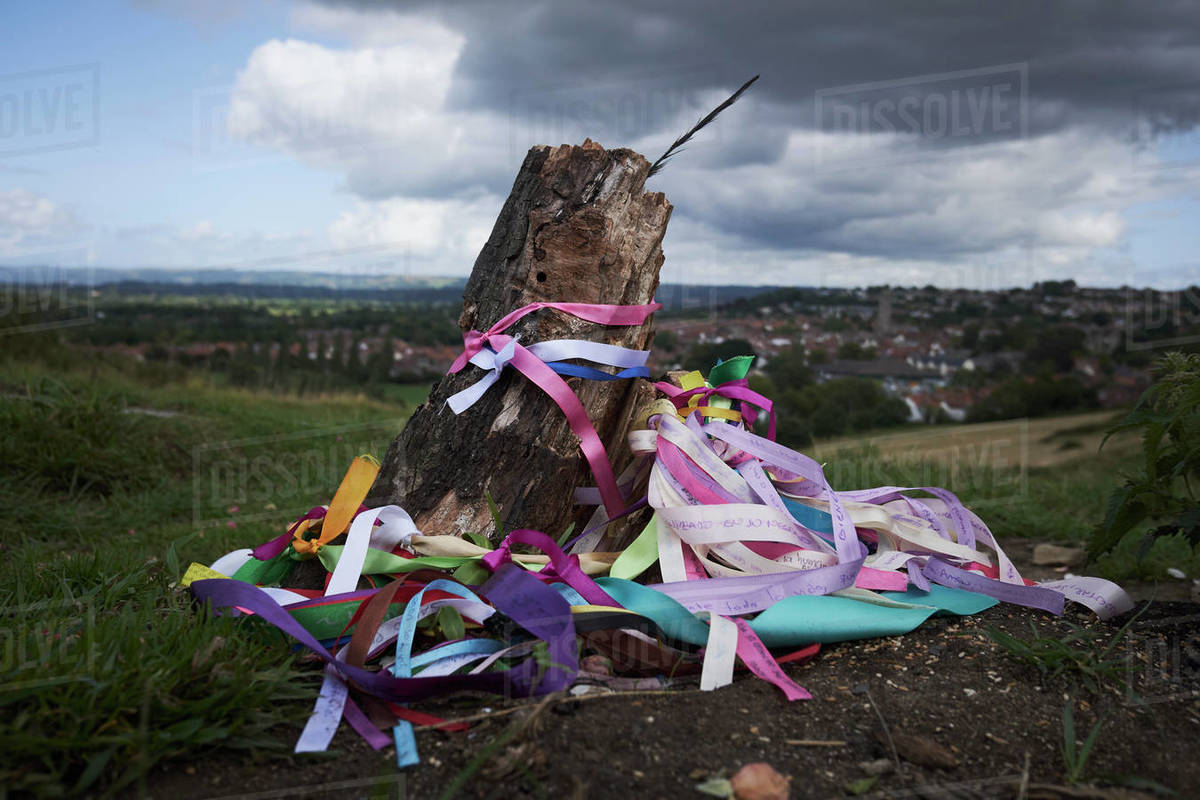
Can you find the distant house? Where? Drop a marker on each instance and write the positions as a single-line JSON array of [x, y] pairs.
[[989, 362], [944, 362], [922, 407], [881, 368]]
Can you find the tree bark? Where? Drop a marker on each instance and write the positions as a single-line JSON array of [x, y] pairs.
[[577, 227]]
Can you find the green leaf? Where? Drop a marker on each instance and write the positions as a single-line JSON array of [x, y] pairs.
[[495, 515], [716, 787], [1122, 513], [471, 573], [1068, 724], [477, 539], [451, 623], [172, 556], [1089, 742], [862, 785], [95, 766], [1151, 441]]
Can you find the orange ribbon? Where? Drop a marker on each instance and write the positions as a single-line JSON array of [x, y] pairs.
[[345, 504]]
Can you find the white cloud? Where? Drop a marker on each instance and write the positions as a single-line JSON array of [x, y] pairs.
[[377, 27], [203, 244], [32, 220], [1059, 199], [437, 236], [760, 197], [377, 113]]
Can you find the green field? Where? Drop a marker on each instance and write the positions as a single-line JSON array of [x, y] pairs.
[[116, 479]]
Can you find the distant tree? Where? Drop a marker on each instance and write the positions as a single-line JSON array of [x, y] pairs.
[[1023, 397], [789, 368], [666, 341], [834, 324], [853, 351], [970, 336], [836, 408], [1055, 288], [1055, 349], [703, 357]]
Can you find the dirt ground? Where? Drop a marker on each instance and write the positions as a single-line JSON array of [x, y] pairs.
[[894, 707]]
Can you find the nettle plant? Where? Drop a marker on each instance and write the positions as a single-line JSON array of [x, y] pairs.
[[1152, 521]]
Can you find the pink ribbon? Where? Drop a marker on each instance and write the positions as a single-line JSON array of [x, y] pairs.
[[549, 381], [562, 566], [733, 390], [473, 341]]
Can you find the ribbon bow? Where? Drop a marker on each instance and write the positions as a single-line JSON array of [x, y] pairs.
[[503, 350], [689, 401], [490, 360]]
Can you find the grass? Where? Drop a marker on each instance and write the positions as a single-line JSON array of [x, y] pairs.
[[1081, 654], [110, 671], [107, 670], [1010, 473], [1075, 757]]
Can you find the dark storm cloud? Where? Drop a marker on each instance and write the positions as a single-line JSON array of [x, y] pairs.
[[1086, 61], [1016, 124]]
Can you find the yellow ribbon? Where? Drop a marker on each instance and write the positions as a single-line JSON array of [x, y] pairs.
[[345, 504]]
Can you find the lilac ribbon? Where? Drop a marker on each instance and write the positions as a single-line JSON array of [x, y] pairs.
[[492, 361], [543, 612], [845, 539], [939, 571], [549, 352], [744, 595], [534, 606]]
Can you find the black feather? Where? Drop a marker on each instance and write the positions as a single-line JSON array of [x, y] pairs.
[[682, 140]]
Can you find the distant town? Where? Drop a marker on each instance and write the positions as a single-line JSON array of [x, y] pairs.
[[836, 360]]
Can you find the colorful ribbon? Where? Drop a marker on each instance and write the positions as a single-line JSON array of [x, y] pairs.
[[756, 549], [534, 368]]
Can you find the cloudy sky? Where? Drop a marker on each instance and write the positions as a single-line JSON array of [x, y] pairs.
[[957, 144]]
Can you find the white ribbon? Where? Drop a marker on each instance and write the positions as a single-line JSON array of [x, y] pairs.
[[397, 528], [550, 351], [494, 363], [597, 352], [719, 654]]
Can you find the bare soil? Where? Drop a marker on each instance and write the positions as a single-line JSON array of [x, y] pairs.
[[946, 684]]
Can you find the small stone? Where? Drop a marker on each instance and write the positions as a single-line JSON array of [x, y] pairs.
[[880, 766], [597, 665], [759, 781], [922, 751], [1048, 555]]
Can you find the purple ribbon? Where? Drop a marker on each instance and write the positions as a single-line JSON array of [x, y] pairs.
[[532, 605], [746, 594], [939, 571]]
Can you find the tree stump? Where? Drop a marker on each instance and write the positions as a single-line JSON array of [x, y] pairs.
[[577, 227]]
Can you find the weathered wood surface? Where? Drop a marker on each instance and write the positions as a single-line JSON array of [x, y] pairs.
[[577, 227]]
